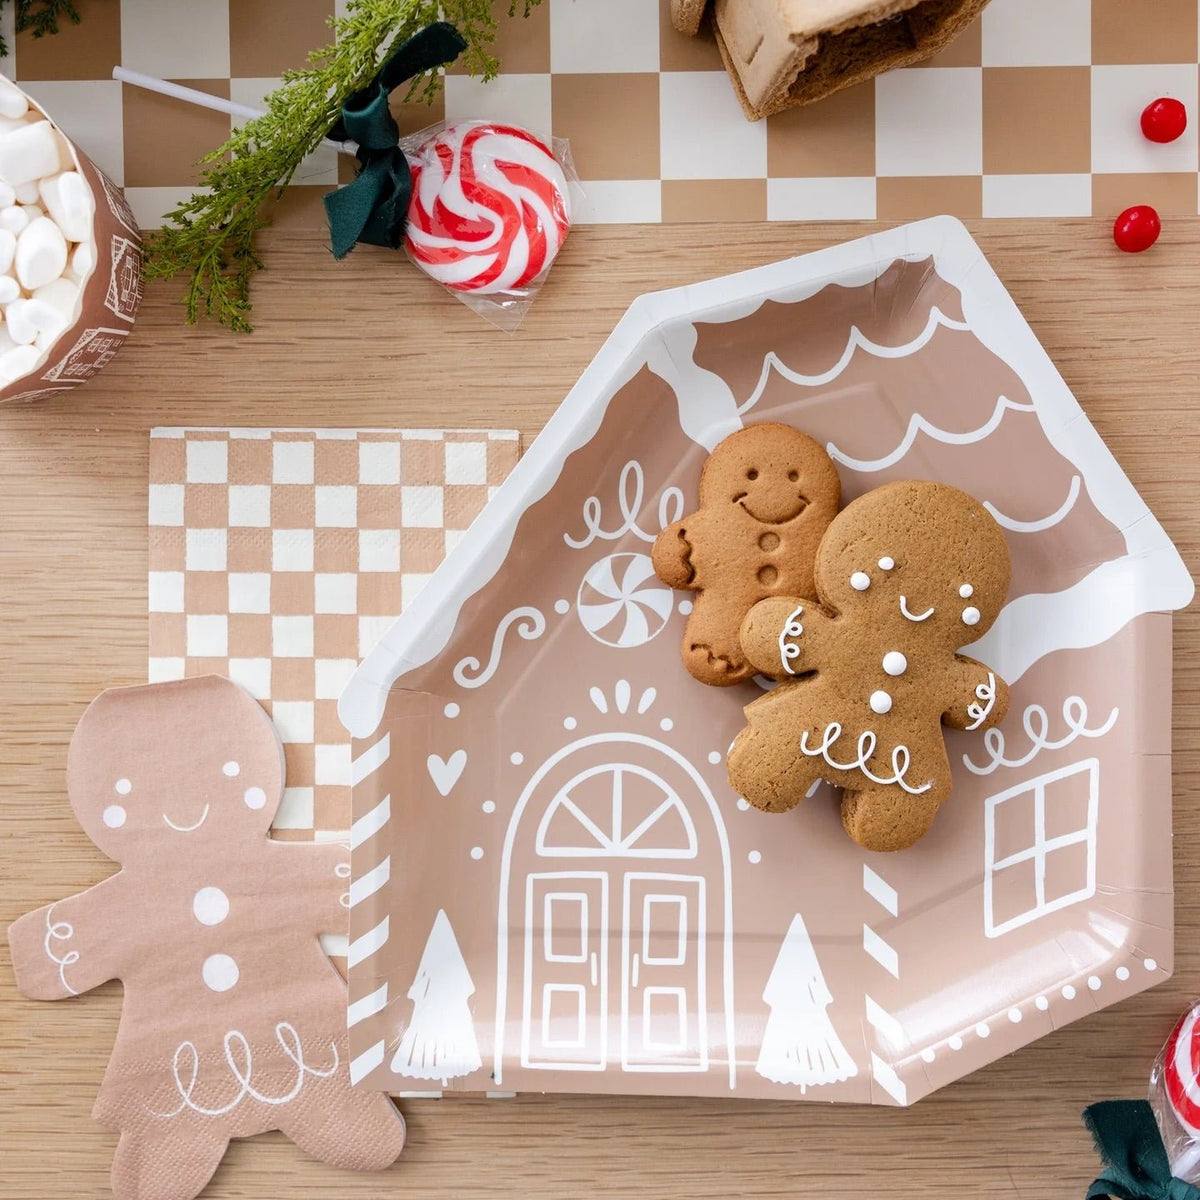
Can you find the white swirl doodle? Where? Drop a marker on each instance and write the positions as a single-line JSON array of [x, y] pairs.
[[631, 490], [791, 629], [60, 931], [239, 1061], [1037, 728], [985, 695], [866, 747], [530, 626]]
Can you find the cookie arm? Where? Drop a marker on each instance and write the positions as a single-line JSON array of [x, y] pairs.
[[318, 877], [73, 945], [783, 636], [980, 696], [672, 554]]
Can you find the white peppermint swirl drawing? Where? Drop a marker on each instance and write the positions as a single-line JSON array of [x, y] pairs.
[[631, 491], [1036, 723], [530, 625], [621, 603], [240, 1062], [985, 695]]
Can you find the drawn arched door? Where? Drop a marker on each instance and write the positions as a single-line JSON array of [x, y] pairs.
[[616, 878]]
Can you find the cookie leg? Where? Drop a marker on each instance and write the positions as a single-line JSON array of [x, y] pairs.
[[344, 1126], [889, 818], [711, 651], [755, 773], [168, 1162]]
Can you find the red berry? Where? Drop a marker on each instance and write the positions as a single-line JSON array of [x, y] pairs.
[[1137, 229], [1164, 120]]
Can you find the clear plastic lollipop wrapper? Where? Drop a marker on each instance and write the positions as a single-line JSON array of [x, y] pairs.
[[491, 208], [1175, 1096]]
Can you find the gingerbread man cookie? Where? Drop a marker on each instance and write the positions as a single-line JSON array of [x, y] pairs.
[[767, 494], [234, 1020], [905, 576]]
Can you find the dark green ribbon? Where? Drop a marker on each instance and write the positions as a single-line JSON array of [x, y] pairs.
[[1136, 1165], [374, 207]]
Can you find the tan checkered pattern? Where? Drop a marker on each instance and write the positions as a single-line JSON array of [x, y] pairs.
[[278, 558], [1034, 112]]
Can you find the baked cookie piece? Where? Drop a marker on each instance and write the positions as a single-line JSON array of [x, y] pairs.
[[767, 494], [686, 15], [905, 576]]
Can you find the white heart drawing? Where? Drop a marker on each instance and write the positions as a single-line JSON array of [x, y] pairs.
[[445, 772]]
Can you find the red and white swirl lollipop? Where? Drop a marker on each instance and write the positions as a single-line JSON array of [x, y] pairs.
[[1181, 1071], [489, 207]]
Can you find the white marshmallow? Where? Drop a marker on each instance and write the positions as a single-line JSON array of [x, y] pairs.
[[12, 100], [33, 211], [10, 289], [20, 328], [83, 260], [7, 195], [41, 253], [60, 294], [7, 126], [27, 193], [13, 218], [29, 153], [6, 343], [8, 247], [18, 362], [68, 199], [27, 318]]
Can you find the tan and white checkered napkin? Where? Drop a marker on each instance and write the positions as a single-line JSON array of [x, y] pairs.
[[278, 557]]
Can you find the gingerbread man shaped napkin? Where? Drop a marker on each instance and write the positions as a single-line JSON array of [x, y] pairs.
[[234, 1020]]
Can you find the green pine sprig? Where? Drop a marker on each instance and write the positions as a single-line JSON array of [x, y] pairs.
[[211, 236], [40, 17]]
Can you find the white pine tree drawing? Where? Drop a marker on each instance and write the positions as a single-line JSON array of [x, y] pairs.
[[439, 1042], [800, 1045]]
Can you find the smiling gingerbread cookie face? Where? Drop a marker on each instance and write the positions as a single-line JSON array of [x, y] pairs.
[[905, 576], [920, 555], [158, 768], [767, 494]]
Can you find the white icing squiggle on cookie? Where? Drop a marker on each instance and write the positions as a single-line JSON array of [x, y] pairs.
[[867, 741], [986, 696], [791, 629], [1037, 727], [914, 616], [60, 931]]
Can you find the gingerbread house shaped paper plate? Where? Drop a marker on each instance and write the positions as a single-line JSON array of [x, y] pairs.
[[554, 887]]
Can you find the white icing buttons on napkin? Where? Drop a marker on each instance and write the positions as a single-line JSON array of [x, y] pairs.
[[46, 239]]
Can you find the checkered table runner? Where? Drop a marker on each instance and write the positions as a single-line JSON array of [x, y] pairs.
[[1032, 113], [278, 558]]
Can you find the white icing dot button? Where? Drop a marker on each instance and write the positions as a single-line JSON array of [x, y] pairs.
[[210, 906], [220, 972], [860, 581], [970, 616], [966, 591], [230, 769], [255, 797], [123, 787], [1122, 973], [886, 563], [881, 702], [894, 663], [113, 816]]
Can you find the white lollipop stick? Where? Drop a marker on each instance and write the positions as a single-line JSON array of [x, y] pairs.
[[164, 87]]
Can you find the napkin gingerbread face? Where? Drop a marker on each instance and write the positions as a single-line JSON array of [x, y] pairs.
[[905, 576], [234, 1020], [767, 494]]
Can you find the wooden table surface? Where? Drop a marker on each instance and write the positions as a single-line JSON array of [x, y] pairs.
[[370, 342]]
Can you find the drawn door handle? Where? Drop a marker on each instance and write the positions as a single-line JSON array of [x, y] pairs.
[[637, 962], [595, 970]]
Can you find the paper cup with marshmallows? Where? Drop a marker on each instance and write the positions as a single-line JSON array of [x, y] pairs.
[[70, 257]]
